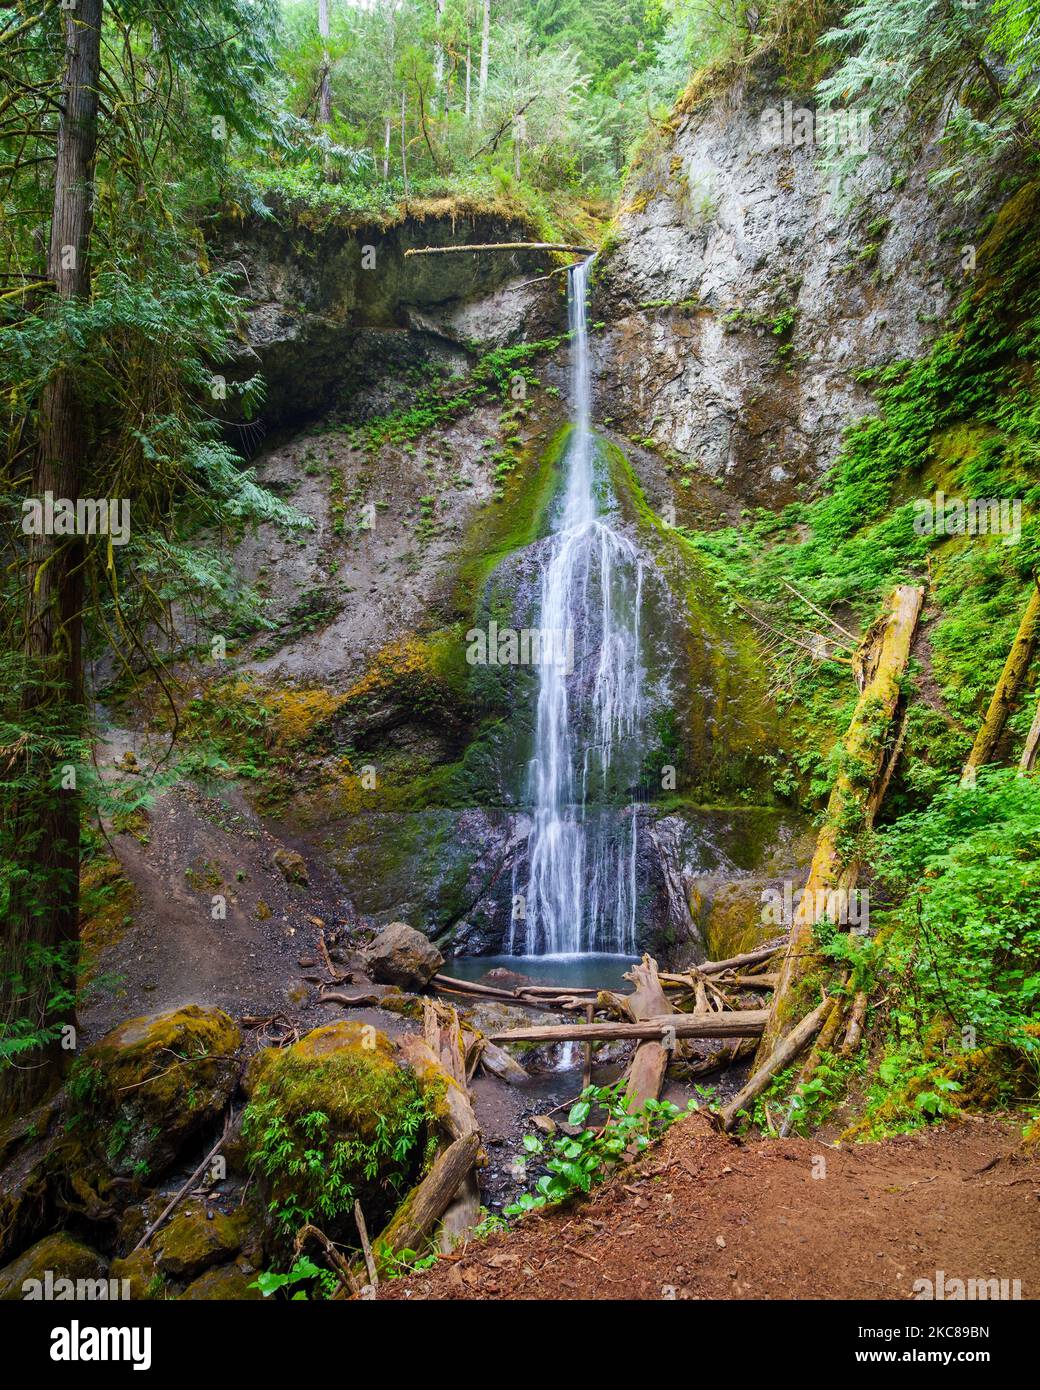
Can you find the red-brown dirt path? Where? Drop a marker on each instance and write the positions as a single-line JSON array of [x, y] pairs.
[[706, 1217]]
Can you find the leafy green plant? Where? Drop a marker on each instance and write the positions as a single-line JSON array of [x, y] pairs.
[[576, 1161]]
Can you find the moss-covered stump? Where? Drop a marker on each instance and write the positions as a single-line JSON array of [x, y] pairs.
[[137, 1097], [332, 1119], [52, 1268], [196, 1239]]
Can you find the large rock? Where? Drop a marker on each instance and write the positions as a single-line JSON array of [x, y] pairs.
[[138, 1096], [57, 1262], [402, 956], [332, 1119], [196, 1239]]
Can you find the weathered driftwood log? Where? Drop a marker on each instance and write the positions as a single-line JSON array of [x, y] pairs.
[[823, 1043], [736, 1023], [880, 663], [562, 1001], [503, 246], [443, 1035], [426, 1204], [497, 1060], [717, 967], [855, 1029], [782, 1054], [650, 1060], [1028, 757], [455, 1112], [1016, 667]]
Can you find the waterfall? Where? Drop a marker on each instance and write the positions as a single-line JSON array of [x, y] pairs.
[[580, 894]]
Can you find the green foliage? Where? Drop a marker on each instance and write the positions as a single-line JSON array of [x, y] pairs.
[[316, 1163], [968, 921], [305, 1279], [577, 1161]]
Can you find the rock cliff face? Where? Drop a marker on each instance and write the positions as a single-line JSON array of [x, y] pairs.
[[340, 313], [745, 290]]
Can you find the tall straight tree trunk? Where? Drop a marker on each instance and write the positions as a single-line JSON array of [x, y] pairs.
[[469, 82], [37, 981], [485, 41], [438, 55], [386, 150], [325, 87], [404, 147]]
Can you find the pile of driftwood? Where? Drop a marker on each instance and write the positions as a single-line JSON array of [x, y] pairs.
[[659, 1013]]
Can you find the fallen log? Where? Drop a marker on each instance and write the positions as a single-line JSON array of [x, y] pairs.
[[855, 1029], [784, 1052], [650, 1060], [1016, 667], [561, 1002], [880, 663], [504, 246], [739, 1023], [443, 1035], [427, 1203], [497, 1061], [716, 967], [824, 1042], [1032, 743]]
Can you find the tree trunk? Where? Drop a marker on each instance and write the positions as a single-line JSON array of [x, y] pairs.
[[469, 82], [880, 663], [404, 148], [485, 41], [386, 151], [324, 78], [37, 984], [438, 54], [1016, 668]]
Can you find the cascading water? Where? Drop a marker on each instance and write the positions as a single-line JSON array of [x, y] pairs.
[[580, 896]]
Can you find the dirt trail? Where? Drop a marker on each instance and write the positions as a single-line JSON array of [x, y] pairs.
[[707, 1217]]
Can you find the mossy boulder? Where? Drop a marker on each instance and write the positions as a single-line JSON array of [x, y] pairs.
[[227, 1283], [332, 1119], [195, 1239], [137, 1097], [139, 1270], [50, 1261]]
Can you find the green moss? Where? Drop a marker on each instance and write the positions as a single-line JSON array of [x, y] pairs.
[[331, 1120]]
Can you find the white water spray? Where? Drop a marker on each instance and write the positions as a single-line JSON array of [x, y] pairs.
[[581, 890]]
